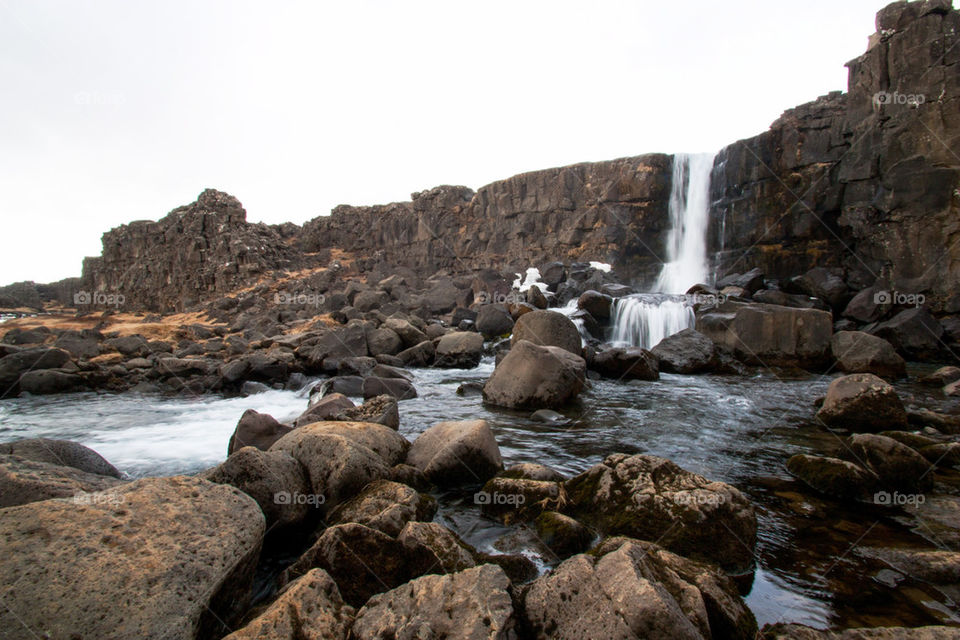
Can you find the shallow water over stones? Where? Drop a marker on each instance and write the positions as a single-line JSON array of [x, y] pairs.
[[813, 560]]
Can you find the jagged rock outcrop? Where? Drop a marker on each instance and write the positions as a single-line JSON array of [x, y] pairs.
[[865, 181], [195, 251]]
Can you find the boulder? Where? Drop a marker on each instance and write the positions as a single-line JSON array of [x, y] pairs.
[[532, 471], [456, 453], [130, 346], [382, 440], [942, 376], [596, 304], [563, 535], [550, 329], [35, 359], [750, 281], [166, 558], [494, 321], [862, 402], [60, 452], [385, 506], [897, 466], [347, 385], [362, 561], [914, 333], [633, 589], [337, 467], [688, 351], [535, 377], [258, 430], [384, 341], [23, 481], [48, 381], [447, 552], [795, 631], [459, 350], [356, 366], [398, 388], [326, 408], [409, 334], [859, 352], [470, 605], [821, 283], [653, 499], [380, 409], [511, 500], [832, 476], [869, 305], [308, 608], [273, 478], [536, 298], [626, 363], [419, 355], [768, 335]]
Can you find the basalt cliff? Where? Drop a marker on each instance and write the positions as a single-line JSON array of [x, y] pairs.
[[864, 183]]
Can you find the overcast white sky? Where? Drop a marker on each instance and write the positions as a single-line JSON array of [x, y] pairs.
[[113, 111]]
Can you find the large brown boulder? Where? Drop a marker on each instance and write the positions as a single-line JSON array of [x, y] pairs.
[[653, 499], [862, 402], [473, 604], [549, 329], [493, 321], [767, 335], [632, 589], [385, 506], [447, 552], [258, 430], [23, 481], [456, 453], [382, 440], [37, 358], [832, 476], [859, 352], [327, 407], [459, 350], [308, 608], [273, 478], [535, 377], [337, 467], [165, 558]]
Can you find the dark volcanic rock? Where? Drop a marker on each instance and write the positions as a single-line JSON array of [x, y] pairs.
[[688, 351], [550, 329], [536, 377], [256, 430], [626, 363], [862, 402]]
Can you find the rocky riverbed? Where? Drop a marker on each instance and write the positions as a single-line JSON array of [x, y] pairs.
[[382, 424]]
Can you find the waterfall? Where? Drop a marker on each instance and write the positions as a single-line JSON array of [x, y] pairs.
[[689, 217], [645, 319]]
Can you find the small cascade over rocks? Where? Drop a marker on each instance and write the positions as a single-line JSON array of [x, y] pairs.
[[645, 319]]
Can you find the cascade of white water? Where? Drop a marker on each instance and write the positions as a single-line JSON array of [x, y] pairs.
[[689, 216], [643, 320]]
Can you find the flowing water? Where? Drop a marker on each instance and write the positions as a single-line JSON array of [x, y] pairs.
[[739, 430], [644, 319]]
